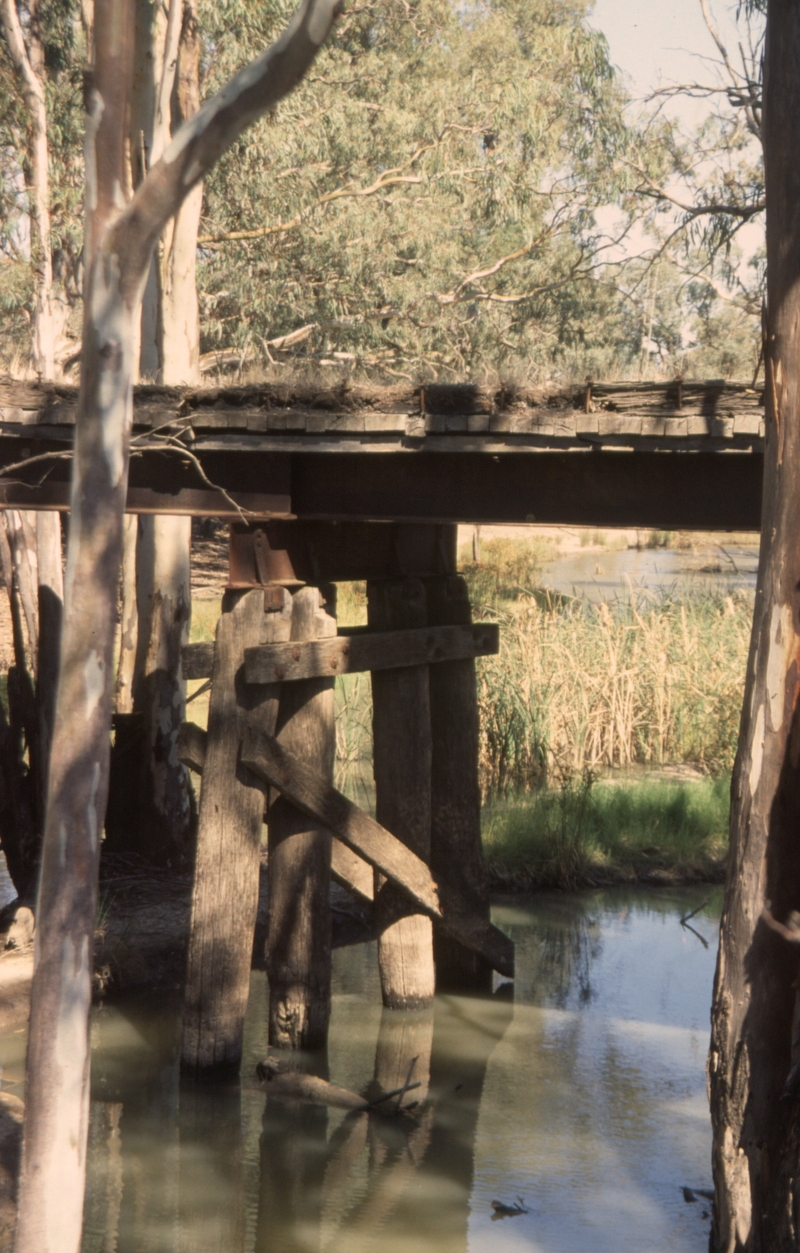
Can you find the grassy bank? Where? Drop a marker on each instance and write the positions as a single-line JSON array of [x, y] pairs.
[[586, 833]]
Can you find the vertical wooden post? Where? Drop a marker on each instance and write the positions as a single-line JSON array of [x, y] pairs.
[[403, 1038], [51, 608], [299, 927], [456, 848], [163, 588], [402, 767], [225, 895]]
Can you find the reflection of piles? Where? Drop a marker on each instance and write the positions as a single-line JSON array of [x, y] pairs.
[[410, 1167]]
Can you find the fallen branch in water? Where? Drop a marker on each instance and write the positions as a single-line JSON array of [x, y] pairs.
[[694, 912], [294, 1084]]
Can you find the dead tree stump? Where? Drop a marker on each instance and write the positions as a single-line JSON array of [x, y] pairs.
[[225, 893], [299, 927], [402, 768], [456, 847]]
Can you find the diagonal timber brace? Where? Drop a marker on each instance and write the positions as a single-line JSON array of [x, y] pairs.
[[263, 755]]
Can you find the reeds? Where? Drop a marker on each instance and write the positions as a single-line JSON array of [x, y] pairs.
[[579, 687]]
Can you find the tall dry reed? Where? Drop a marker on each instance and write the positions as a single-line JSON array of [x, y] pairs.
[[579, 687]]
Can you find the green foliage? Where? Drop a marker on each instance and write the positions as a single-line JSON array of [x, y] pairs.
[[496, 131], [430, 201], [584, 832], [506, 568]]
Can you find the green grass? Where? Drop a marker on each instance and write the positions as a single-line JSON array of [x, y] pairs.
[[586, 833]]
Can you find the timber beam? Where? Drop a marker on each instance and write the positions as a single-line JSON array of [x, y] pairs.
[[350, 654], [263, 755], [348, 869], [667, 456]]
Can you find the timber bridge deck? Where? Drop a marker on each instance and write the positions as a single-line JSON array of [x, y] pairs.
[[665, 455]]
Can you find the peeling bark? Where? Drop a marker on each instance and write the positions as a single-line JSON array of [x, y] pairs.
[[755, 1114], [119, 243]]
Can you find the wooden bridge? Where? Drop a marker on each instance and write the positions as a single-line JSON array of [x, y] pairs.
[[668, 456], [323, 485]]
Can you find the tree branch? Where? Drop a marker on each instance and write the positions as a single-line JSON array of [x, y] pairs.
[[388, 179]]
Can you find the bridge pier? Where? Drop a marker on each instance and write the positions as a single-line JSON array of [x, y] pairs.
[[271, 744]]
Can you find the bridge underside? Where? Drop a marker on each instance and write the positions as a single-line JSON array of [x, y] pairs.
[[666, 456]]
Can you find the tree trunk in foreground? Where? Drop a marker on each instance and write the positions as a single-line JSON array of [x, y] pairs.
[[56, 1117], [166, 92], [754, 1039], [118, 247]]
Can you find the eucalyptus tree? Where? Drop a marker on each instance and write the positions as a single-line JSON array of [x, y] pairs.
[[425, 203], [120, 240], [754, 1060]]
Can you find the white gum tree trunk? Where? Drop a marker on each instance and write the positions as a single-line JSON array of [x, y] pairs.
[[120, 241], [755, 1042], [166, 86]]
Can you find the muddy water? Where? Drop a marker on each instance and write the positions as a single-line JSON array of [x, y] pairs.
[[582, 1101], [606, 574]]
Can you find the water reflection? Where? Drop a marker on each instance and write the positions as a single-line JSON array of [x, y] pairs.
[[584, 1097]]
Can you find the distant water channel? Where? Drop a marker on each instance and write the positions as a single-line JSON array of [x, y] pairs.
[[582, 1100], [606, 574]]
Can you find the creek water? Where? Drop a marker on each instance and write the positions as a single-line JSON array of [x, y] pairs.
[[609, 573], [584, 1096]]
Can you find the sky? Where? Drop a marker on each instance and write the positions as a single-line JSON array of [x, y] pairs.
[[659, 42], [656, 43]]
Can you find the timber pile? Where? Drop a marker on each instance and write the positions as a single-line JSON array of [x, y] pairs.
[[677, 411], [268, 752]]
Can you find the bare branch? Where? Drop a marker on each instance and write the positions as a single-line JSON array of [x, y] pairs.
[[710, 208]]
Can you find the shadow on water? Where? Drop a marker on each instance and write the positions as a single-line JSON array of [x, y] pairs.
[[584, 1098]]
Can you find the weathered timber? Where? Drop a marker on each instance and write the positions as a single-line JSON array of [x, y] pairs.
[[438, 408], [299, 928], [388, 650], [401, 763], [462, 454], [197, 660], [163, 819], [225, 892], [347, 868], [404, 1047], [364, 835], [456, 846]]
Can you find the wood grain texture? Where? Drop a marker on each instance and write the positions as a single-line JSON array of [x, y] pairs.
[[347, 868], [299, 927], [456, 845], [364, 835], [225, 891], [401, 735], [388, 650]]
